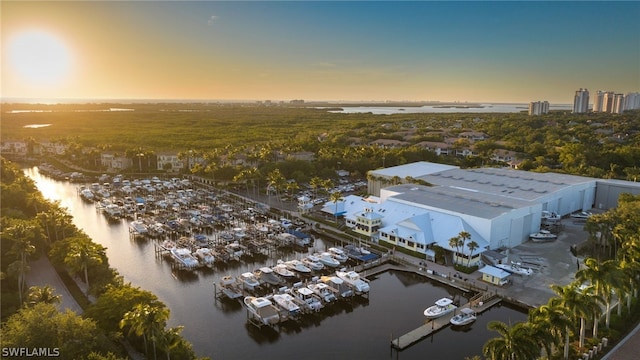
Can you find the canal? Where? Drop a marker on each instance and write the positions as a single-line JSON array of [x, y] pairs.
[[362, 329]]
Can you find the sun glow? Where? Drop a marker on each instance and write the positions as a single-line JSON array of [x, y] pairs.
[[39, 58]]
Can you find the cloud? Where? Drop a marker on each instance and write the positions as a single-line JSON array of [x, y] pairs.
[[211, 20]]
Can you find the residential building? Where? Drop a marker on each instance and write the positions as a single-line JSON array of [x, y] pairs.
[[607, 102], [581, 101], [598, 100], [632, 101], [618, 104], [538, 108]]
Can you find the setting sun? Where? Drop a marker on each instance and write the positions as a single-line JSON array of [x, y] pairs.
[[39, 58]]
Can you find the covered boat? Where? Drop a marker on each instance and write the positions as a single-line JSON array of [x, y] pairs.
[[262, 309], [353, 279], [465, 317]]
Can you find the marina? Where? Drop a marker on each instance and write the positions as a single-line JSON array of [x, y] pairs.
[[191, 296]]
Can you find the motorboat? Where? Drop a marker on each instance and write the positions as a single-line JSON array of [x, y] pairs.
[[230, 287], [515, 268], [138, 228], [297, 265], [338, 254], [87, 195], [550, 217], [581, 215], [266, 275], [287, 302], [313, 263], [465, 317], [249, 281], [543, 236], [344, 290], [282, 270], [311, 300], [324, 291], [205, 256], [354, 280], [184, 257], [441, 308], [168, 244], [262, 309], [327, 260]]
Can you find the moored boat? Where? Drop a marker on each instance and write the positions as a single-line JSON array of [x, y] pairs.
[[353, 279], [441, 308], [287, 303], [312, 262], [344, 290], [465, 317], [249, 281], [324, 291], [184, 257], [327, 260], [309, 298], [230, 287], [297, 265], [205, 256], [267, 275], [282, 270], [262, 309], [338, 254]]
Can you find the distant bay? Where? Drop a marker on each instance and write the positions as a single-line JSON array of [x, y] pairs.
[[445, 108]]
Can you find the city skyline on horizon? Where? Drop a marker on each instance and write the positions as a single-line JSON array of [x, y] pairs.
[[319, 51]]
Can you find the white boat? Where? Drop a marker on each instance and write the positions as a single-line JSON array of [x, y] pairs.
[[184, 257], [543, 236], [230, 288], [168, 244], [441, 307], [282, 270], [311, 300], [549, 217], [515, 268], [327, 260], [287, 303], [262, 309], [249, 281], [338, 254], [324, 291], [465, 317], [581, 215], [344, 290], [205, 256], [297, 265], [312, 262], [266, 275], [138, 228], [354, 280], [87, 195]]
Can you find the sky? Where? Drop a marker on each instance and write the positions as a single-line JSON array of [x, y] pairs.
[[476, 51]]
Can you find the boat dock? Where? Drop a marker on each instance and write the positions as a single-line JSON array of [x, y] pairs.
[[479, 304]]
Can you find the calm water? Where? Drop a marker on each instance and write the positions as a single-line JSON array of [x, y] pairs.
[[217, 329], [482, 108]]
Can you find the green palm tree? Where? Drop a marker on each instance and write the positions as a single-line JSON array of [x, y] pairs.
[[334, 197], [605, 277], [83, 253], [558, 318], [147, 321], [45, 294], [515, 342], [23, 234], [169, 339], [473, 246], [581, 303], [454, 244]]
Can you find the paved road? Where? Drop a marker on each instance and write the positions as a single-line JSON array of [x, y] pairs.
[[42, 273], [627, 348]]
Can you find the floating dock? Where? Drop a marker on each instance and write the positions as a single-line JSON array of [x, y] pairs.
[[434, 325]]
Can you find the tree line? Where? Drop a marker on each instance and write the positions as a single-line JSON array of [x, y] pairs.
[[33, 227]]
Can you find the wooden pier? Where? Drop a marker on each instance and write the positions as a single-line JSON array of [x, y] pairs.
[[480, 304]]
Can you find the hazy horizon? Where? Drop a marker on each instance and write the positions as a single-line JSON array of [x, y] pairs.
[[476, 52]]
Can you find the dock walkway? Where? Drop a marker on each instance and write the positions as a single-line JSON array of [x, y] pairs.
[[434, 325]]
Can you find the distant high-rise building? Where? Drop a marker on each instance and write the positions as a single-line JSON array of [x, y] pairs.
[[618, 104], [607, 102], [597, 101], [538, 107], [581, 101], [632, 101]]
